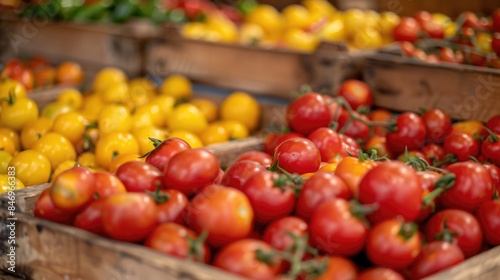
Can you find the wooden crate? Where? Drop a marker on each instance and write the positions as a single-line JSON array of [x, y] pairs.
[[46, 250], [463, 91]]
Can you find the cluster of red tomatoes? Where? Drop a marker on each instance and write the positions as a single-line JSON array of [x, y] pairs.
[[311, 205]]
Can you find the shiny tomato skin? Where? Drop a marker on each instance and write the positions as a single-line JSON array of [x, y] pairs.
[[129, 216], [260, 157], [240, 258], [433, 152], [107, 184], [320, 187], [470, 236], [461, 145], [494, 124], [327, 141], [271, 142], [226, 213], [138, 176], [488, 215], [277, 233], [379, 144], [494, 173], [351, 170], [238, 173], [356, 93], [422, 17], [90, 218], [268, 200], [191, 170], [297, 155], [407, 30], [307, 113], [72, 189], [355, 129], [473, 186], [161, 155], [491, 150], [379, 273], [437, 124], [335, 230], [349, 146], [386, 247], [395, 187], [44, 208], [434, 257], [410, 133], [174, 240], [337, 268], [380, 115], [174, 209], [434, 29], [428, 179]]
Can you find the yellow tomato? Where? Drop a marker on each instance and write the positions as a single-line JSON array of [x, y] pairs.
[[251, 33], [371, 19], [450, 30], [333, 31], [296, 16], [31, 167], [115, 93], [63, 166], [92, 106], [214, 134], [114, 117], [4, 161], [330, 167], [7, 144], [87, 159], [31, 132], [242, 107], [71, 97], [235, 129], [141, 91], [154, 110], [177, 86], [121, 159], [483, 42], [194, 30], [71, 125], [207, 108], [16, 113], [192, 139], [12, 135], [9, 86], [442, 19], [141, 118], [322, 7], [107, 77], [166, 104], [187, 117], [54, 109], [141, 135], [224, 27], [298, 39], [367, 38], [353, 19], [268, 18], [9, 184], [388, 20], [56, 148], [113, 144]]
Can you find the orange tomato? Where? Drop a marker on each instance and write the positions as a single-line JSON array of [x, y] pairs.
[[107, 184], [351, 170], [472, 128], [69, 73]]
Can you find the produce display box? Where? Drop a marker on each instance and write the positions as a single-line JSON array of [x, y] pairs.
[[267, 71], [463, 91]]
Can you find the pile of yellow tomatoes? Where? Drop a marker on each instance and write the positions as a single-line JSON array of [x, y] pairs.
[[111, 124]]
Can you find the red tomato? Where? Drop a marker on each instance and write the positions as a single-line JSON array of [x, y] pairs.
[[37, 62], [380, 115], [319, 188], [356, 93], [494, 124], [434, 29], [129, 216], [495, 17], [422, 17], [176, 240], [470, 20], [477, 59], [72, 189], [469, 236], [355, 129], [12, 68], [138, 176], [383, 185], [277, 233], [351, 170], [271, 142], [337, 268], [406, 30], [433, 152], [412, 154], [410, 133], [172, 205], [495, 174], [348, 145], [44, 208], [461, 145], [379, 144], [327, 141], [393, 244], [190, 170], [238, 173], [226, 213], [297, 155], [161, 155], [307, 113], [407, 48], [434, 257], [25, 77], [428, 179], [437, 124], [473, 186], [90, 218], [107, 184], [447, 55], [488, 215], [380, 273], [269, 198], [240, 258], [336, 230], [260, 157], [491, 149]]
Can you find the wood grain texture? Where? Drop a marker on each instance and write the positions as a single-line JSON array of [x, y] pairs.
[[464, 92], [25, 198]]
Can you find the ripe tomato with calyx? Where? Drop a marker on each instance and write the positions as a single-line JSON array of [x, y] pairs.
[[172, 206], [491, 148], [308, 112], [433, 152], [461, 145], [72, 189], [355, 129], [238, 174], [428, 179], [327, 141], [356, 93], [437, 124], [379, 144], [408, 133], [297, 155], [434, 257], [107, 184], [351, 170], [138, 176], [349, 146], [407, 30], [44, 208], [161, 155], [277, 233]]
